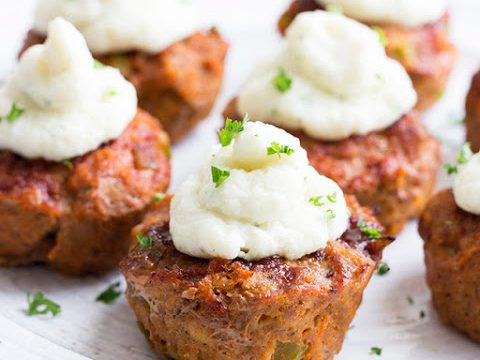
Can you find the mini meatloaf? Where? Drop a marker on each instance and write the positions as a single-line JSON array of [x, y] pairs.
[[392, 171], [178, 85], [272, 309], [452, 253], [425, 51], [472, 118], [76, 216]]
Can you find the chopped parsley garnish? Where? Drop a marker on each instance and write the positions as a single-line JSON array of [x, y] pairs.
[[383, 269], [337, 9], [276, 148], [110, 294], [319, 200], [219, 176], [331, 214], [381, 35], [144, 241], [376, 350], [282, 81], [371, 232], [332, 197], [98, 65], [231, 130], [40, 305], [159, 196], [463, 156], [110, 93], [15, 113], [68, 164]]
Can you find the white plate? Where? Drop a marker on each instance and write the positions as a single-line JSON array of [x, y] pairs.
[[86, 329]]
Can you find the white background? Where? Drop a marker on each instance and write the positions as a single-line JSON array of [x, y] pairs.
[[86, 329]]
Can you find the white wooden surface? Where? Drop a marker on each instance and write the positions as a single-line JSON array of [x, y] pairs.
[[89, 330]]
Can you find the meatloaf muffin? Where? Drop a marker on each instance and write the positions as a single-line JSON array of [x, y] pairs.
[[472, 119], [178, 85], [76, 216], [191, 308], [392, 171], [452, 250], [425, 51]]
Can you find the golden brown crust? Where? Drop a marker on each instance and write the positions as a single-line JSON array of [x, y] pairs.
[[179, 85], [392, 170], [452, 253], [194, 308], [472, 118], [77, 217], [424, 51]]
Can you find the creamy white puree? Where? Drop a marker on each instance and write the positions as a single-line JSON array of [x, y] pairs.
[[69, 106], [401, 12], [343, 83], [263, 208], [111, 26], [466, 186]]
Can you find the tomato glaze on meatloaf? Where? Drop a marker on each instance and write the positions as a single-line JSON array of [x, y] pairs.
[[392, 171], [424, 51], [472, 118], [272, 309], [452, 252], [179, 85], [76, 216]]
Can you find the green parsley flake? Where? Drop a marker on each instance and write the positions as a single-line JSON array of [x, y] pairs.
[[337, 9], [15, 113], [317, 200], [231, 130], [282, 81], [68, 164], [40, 305], [145, 242], [383, 269], [376, 350], [332, 197], [110, 294], [371, 232], [381, 35], [452, 222], [463, 156], [276, 148], [159, 196], [98, 65], [331, 214], [110, 93], [219, 176]]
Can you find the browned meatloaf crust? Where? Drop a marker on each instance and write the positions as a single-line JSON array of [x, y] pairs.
[[179, 85], [452, 257], [472, 119], [392, 170], [272, 309], [425, 51], [77, 216]]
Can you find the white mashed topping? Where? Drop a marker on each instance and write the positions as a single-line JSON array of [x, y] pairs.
[[401, 12], [58, 104], [120, 25], [265, 207], [343, 83], [466, 186]]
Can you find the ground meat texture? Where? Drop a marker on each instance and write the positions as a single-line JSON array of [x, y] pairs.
[[424, 51], [472, 118], [452, 253], [77, 216], [392, 171], [272, 309], [179, 85]]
